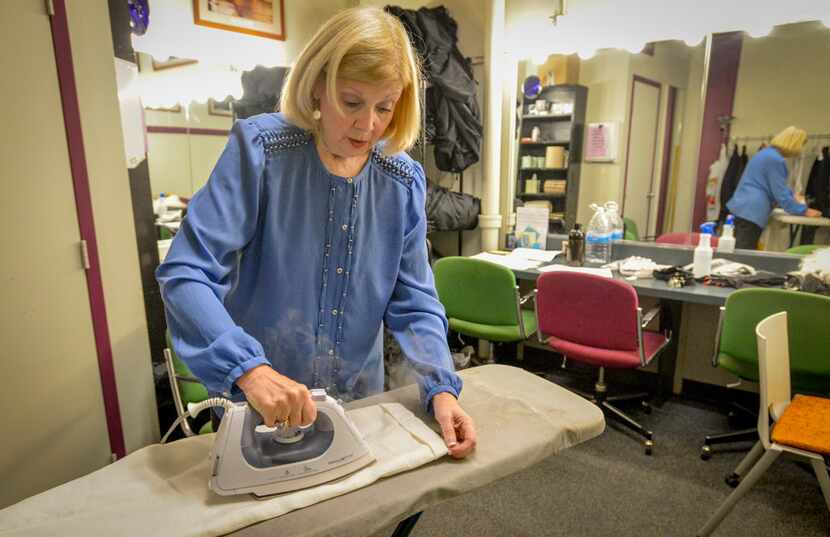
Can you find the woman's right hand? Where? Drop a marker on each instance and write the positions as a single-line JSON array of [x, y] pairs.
[[812, 213], [277, 398]]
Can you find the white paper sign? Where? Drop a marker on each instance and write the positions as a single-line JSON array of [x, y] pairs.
[[601, 142]]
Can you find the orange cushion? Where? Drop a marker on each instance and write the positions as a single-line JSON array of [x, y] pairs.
[[805, 424]]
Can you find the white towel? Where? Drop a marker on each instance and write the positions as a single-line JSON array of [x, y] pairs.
[[162, 489]]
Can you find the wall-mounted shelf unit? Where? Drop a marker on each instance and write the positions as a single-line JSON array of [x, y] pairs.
[[563, 131]]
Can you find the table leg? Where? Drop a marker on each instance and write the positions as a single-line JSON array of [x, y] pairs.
[[670, 320], [406, 526], [794, 233]]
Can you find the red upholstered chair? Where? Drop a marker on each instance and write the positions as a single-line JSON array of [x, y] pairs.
[[686, 239], [598, 321]]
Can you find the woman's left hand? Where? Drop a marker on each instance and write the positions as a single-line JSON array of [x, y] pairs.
[[457, 427]]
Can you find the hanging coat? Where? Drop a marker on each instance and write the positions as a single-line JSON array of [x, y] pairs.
[[729, 183], [818, 184], [451, 211], [261, 89], [453, 117]]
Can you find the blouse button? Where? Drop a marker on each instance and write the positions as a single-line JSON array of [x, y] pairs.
[[348, 179], [331, 352], [334, 312], [344, 227], [340, 270]]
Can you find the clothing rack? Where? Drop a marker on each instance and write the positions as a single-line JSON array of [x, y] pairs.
[[810, 137]]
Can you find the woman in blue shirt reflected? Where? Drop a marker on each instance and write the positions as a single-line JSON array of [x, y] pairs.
[[310, 235], [763, 184]]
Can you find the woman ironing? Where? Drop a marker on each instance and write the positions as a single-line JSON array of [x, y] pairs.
[[310, 235], [763, 184]]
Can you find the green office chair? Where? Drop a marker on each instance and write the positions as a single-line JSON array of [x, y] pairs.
[[186, 389], [805, 249], [482, 301], [736, 347], [631, 232]]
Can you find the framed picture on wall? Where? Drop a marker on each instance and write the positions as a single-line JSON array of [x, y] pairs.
[[264, 18], [221, 108]]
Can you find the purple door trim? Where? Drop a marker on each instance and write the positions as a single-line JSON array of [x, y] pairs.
[[634, 80], [722, 78], [86, 223], [667, 156]]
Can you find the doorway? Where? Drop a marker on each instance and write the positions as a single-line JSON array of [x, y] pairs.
[[641, 158]]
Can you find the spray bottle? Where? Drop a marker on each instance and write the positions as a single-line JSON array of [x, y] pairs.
[[726, 244], [703, 252]]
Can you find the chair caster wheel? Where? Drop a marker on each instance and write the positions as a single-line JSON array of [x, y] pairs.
[[733, 480], [705, 453], [646, 407], [648, 446]]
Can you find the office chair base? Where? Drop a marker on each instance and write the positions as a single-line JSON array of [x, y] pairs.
[[613, 412], [747, 435], [733, 480]]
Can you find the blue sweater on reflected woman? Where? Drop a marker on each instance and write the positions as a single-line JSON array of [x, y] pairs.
[[280, 262], [763, 183]]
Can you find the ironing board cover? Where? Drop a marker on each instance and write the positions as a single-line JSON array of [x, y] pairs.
[[162, 489], [521, 419]]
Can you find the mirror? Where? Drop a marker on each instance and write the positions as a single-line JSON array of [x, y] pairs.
[[644, 140]]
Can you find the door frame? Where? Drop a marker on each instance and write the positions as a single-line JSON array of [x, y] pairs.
[[634, 79], [86, 222], [667, 157]]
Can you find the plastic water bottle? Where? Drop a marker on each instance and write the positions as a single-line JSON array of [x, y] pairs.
[[598, 238], [613, 212]]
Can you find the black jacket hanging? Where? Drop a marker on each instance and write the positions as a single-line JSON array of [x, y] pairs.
[[453, 116], [731, 177], [261, 89], [818, 185]]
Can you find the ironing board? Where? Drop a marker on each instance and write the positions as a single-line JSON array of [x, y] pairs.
[[521, 419]]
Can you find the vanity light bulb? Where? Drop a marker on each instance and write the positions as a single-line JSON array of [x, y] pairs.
[[692, 40], [760, 31], [539, 58], [586, 54]]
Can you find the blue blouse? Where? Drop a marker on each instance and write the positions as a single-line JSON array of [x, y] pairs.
[[280, 262], [763, 183]]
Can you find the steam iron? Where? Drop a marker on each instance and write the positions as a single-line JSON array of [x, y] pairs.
[[248, 457]]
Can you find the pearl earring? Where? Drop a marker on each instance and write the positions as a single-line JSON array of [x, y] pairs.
[[316, 115]]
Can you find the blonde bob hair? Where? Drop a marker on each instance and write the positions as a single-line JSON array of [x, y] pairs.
[[790, 141], [364, 44]]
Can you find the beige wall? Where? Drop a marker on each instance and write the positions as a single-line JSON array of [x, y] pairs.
[[783, 80], [609, 85], [670, 66], [689, 143], [608, 77], [100, 119]]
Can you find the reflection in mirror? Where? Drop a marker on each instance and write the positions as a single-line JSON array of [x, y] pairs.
[[782, 81], [646, 162], [659, 167]]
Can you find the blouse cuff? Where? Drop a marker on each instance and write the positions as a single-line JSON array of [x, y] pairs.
[[228, 384]]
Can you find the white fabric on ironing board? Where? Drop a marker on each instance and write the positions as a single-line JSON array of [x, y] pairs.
[[162, 489]]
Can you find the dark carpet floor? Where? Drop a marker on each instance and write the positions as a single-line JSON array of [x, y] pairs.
[[608, 487]]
